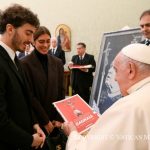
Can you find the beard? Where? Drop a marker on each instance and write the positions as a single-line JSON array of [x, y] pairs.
[[16, 42]]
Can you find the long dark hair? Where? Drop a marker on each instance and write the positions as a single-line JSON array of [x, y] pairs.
[[41, 30]]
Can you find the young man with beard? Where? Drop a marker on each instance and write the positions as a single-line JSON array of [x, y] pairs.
[[18, 129]]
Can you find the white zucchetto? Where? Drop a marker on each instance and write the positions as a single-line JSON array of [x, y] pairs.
[[138, 52]]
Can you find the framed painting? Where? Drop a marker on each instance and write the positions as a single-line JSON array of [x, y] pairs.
[[63, 34], [105, 90]]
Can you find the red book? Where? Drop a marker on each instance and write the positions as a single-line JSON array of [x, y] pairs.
[[75, 109]]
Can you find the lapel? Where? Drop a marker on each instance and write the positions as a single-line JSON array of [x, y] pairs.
[[50, 51], [38, 66], [51, 66], [84, 60], [10, 63], [52, 74], [56, 52], [77, 59]]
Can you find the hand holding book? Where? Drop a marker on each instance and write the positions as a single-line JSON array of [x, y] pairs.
[[80, 66], [75, 109], [68, 127]]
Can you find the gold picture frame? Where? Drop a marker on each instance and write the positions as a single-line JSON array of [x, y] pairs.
[[63, 34]]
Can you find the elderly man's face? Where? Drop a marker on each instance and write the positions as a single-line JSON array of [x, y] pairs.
[[54, 43], [145, 26], [121, 75]]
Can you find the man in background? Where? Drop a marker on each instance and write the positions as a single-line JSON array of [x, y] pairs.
[[27, 51], [126, 124], [18, 128], [82, 79], [145, 26], [57, 50]]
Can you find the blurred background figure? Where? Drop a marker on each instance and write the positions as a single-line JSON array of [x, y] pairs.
[[82, 79], [28, 50], [56, 50]]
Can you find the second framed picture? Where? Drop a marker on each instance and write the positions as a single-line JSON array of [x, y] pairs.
[[63, 35]]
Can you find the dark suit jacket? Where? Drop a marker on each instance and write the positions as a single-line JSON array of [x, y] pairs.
[[78, 77], [144, 41], [59, 54], [45, 90], [15, 112]]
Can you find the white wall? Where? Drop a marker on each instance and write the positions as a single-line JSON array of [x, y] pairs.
[[88, 19]]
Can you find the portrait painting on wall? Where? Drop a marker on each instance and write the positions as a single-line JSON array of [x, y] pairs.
[[63, 35]]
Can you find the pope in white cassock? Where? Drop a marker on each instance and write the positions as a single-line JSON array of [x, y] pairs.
[[126, 124]]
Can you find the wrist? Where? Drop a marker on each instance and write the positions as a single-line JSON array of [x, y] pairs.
[[36, 127]]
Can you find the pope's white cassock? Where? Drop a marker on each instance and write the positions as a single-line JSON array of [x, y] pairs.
[[124, 126]]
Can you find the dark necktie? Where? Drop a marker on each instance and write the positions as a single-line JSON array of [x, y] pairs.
[[80, 58], [21, 74], [18, 65], [19, 69], [53, 51], [16, 62], [147, 42]]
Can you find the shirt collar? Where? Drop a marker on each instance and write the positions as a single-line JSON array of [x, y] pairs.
[[147, 40], [54, 48], [10, 52], [82, 56], [138, 85]]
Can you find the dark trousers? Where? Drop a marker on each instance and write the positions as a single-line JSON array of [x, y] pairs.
[[83, 92]]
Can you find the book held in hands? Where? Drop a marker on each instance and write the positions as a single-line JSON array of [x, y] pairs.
[[81, 66], [75, 109]]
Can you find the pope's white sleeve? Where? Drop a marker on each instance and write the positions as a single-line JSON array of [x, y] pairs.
[[76, 142]]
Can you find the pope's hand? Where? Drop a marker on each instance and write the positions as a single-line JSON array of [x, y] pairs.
[[68, 127]]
